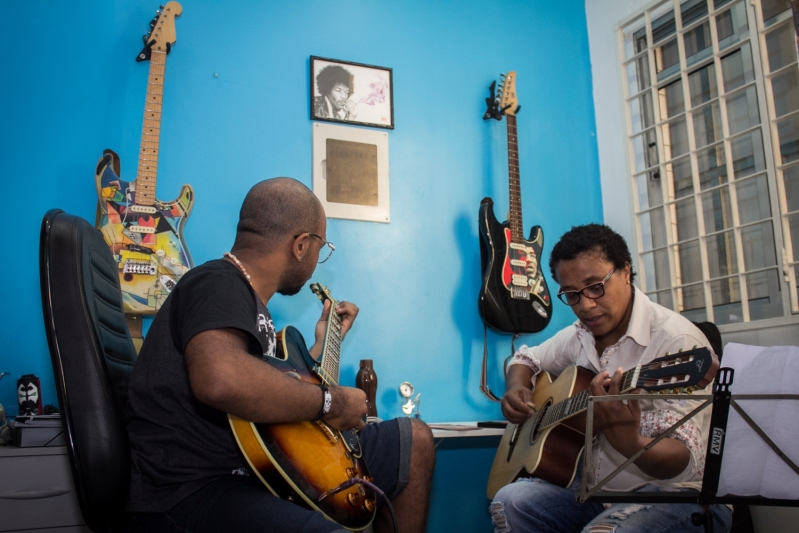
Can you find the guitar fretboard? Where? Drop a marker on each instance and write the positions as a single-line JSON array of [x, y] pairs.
[[151, 130], [514, 185], [331, 348], [579, 402]]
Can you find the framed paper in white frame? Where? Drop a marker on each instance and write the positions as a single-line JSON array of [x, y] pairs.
[[350, 172]]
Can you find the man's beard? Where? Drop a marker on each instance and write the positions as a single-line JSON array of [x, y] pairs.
[[292, 282], [290, 291]]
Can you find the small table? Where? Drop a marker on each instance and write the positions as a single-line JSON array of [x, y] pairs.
[[449, 435]]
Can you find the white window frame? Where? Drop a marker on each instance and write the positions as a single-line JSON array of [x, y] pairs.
[[768, 127]]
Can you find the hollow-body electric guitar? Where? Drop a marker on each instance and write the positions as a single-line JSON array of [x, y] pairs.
[[549, 444], [304, 461], [145, 235], [514, 297]]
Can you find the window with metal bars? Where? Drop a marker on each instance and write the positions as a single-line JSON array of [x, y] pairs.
[[712, 107]]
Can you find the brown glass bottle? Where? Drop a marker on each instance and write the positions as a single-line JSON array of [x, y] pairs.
[[366, 380]]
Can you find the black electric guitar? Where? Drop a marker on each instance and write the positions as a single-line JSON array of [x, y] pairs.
[[549, 444], [307, 462], [514, 297]]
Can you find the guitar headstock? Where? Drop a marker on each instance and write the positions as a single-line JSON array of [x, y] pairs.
[[322, 292], [671, 372], [162, 31], [504, 102]]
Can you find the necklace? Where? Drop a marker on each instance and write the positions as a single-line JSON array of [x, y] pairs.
[[238, 265]]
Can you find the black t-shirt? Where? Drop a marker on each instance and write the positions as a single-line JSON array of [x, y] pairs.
[[179, 444]]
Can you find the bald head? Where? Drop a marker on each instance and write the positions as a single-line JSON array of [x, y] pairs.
[[274, 209]]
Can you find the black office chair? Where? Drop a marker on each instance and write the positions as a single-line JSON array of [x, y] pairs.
[[92, 355]]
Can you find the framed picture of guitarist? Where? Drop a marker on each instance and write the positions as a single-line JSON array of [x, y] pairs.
[[352, 93]]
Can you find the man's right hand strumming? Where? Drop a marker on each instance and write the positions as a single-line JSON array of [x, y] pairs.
[[517, 404], [348, 409]]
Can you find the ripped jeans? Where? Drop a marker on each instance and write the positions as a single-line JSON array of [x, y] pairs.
[[537, 506]]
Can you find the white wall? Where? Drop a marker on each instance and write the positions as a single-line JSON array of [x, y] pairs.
[[603, 17]]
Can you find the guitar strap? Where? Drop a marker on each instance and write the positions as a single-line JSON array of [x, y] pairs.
[[484, 378]]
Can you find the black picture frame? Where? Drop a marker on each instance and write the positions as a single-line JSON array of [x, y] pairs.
[[367, 99]]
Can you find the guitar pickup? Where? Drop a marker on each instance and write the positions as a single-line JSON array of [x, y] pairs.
[[518, 263], [141, 229], [148, 209], [519, 280], [140, 249]]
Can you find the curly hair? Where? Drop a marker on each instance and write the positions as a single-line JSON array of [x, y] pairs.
[[588, 239], [331, 75]]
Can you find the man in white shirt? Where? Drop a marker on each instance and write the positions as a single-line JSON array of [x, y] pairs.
[[617, 328]]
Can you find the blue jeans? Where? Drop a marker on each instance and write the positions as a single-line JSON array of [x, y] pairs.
[[537, 506]]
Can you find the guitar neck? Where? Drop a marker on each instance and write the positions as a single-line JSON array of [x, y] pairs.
[[578, 403], [151, 130], [331, 348], [514, 184]]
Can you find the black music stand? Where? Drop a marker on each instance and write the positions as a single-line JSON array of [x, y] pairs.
[[721, 400]]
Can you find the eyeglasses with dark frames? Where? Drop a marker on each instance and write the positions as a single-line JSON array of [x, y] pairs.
[[593, 291], [330, 246]]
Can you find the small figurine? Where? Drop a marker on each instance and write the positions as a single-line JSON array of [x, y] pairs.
[[411, 406]]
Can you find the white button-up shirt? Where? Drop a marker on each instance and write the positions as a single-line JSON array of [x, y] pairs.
[[652, 332]]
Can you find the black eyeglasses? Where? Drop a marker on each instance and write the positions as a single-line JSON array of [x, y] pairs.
[[329, 245], [593, 291]]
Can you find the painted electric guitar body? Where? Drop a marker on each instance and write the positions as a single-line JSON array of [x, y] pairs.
[[145, 239], [145, 234]]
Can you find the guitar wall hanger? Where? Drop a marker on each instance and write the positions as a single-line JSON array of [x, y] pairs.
[[492, 103]]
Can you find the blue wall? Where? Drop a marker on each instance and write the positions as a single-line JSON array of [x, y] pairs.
[[236, 111]]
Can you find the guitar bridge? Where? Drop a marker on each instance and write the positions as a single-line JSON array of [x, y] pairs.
[[132, 266], [520, 293], [329, 433]]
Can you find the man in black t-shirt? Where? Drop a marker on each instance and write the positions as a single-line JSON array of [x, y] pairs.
[[206, 355]]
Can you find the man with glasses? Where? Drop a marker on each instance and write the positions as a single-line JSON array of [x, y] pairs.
[[617, 328], [206, 355]]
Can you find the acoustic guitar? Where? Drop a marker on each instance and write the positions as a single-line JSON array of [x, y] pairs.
[[514, 297], [145, 235], [304, 461], [549, 444]]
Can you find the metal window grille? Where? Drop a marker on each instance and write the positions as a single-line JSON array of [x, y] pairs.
[[711, 93]]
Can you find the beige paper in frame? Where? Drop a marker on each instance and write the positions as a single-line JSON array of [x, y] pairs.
[[350, 172]]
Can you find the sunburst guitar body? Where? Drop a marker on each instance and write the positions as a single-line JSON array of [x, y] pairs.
[[303, 461]]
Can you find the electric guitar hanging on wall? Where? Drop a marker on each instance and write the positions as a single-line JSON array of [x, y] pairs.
[[514, 297], [310, 463], [145, 235], [549, 444]]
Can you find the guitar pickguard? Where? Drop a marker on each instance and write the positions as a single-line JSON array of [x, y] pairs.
[[146, 241], [521, 273]]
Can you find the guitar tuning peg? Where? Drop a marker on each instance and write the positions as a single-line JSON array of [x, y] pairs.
[[161, 7], [144, 38]]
